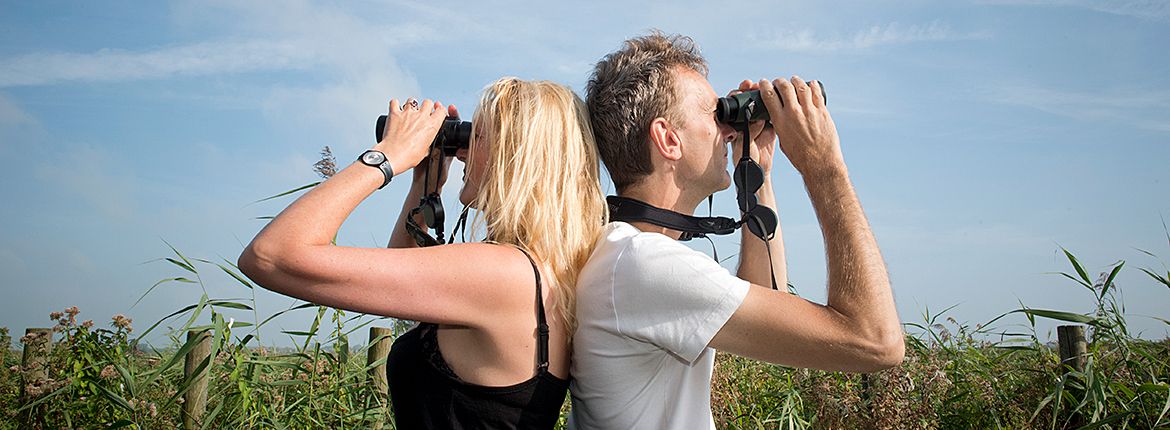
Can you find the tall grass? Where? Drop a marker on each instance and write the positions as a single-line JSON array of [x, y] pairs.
[[104, 378], [981, 377], [954, 376]]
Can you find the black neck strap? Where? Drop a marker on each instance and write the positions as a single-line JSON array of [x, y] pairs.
[[626, 209]]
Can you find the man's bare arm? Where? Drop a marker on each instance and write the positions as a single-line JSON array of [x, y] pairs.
[[754, 264], [858, 329]]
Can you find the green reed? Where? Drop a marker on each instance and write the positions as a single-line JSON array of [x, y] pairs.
[[958, 376]]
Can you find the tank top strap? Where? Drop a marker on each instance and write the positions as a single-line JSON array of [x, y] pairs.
[[541, 322]]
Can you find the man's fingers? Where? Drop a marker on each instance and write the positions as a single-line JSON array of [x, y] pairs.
[[785, 96], [452, 112], [803, 94], [818, 93]]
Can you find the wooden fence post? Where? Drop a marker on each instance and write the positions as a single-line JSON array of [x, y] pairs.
[[34, 364], [867, 380], [7, 341], [1073, 347], [195, 399], [378, 350], [1073, 353]]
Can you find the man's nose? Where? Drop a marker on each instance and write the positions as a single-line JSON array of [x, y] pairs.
[[461, 154]]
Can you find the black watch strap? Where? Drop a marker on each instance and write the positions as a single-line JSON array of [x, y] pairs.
[[375, 158]]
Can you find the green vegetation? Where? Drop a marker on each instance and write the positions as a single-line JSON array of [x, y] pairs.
[[954, 375]]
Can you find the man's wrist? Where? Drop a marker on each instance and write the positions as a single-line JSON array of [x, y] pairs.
[[824, 173]]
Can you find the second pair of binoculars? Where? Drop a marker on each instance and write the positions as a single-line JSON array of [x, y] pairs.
[[453, 135], [749, 106]]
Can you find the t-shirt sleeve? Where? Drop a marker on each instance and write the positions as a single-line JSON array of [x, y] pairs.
[[672, 296]]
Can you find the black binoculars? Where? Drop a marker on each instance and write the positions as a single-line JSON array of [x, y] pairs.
[[748, 106], [453, 135]]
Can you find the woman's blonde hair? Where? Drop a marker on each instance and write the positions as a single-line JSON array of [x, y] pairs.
[[541, 189]]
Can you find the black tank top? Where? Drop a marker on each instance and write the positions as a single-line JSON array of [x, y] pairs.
[[426, 394]]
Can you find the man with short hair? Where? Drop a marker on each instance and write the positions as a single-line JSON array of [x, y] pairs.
[[651, 311]]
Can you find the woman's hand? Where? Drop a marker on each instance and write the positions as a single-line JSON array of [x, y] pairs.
[[431, 163], [410, 129]]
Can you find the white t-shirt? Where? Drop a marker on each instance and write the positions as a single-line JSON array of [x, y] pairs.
[[647, 306]]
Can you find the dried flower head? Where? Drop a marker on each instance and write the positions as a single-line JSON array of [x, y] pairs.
[[327, 166], [109, 372], [123, 323], [33, 337]]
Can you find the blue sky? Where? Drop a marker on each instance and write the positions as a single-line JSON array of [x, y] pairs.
[[982, 136]]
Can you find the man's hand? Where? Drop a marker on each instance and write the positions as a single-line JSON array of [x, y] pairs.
[[807, 134], [762, 134]]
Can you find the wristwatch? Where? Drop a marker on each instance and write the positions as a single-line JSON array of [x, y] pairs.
[[375, 158]]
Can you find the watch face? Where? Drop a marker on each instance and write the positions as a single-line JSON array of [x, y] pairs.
[[373, 158]]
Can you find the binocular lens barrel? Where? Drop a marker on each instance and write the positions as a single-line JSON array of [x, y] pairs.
[[453, 135], [748, 106]]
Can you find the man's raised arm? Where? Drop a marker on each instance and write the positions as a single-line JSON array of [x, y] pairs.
[[858, 329]]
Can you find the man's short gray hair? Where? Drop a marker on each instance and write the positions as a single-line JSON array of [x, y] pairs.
[[628, 90]]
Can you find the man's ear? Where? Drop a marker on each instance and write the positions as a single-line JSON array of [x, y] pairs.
[[664, 140]]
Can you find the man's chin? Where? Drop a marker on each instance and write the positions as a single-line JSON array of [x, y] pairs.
[[726, 182]]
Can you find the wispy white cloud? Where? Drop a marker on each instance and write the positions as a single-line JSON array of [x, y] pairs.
[[1144, 109], [111, 65], [1156, 10], [353, 53], [805, 40]]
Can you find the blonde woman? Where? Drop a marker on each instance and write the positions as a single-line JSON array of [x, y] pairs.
[[492, 349]]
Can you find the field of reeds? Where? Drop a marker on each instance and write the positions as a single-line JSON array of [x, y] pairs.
[[100, 375]]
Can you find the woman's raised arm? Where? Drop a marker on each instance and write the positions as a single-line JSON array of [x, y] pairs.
[[294, 254]]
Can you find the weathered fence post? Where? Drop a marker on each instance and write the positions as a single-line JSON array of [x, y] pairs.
[[1073, 347], [1073, 352], [380, 340], [34, 364], [195, 399], [7, 341]]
